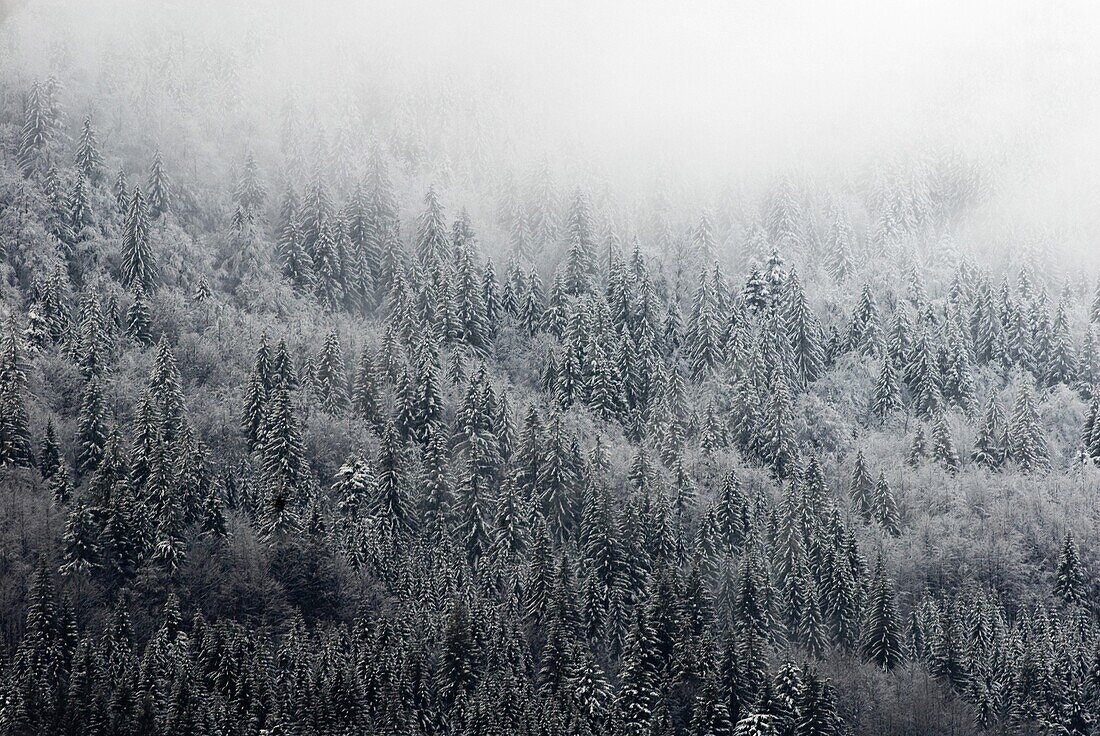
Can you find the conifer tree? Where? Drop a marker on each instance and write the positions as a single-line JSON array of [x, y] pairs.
[[139, 325], [882, 639], [49, 454], [989, 452], [332, 378], [390, 505], [139, 265], [861, 489], [282, 451], [886, 508], [804, 332], [366, 400], [431, 236], [92, 427], [1069, 581], [918, 447], [81, 553], [579, 260], [886, 397], [160, 188], [294, 258], [257, 392], [15, 435], [38, 131], [89, 162], [1026, 443], [943, 448]]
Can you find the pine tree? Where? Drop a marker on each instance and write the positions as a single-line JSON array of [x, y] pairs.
[[431, 237], [139, 325], [838, 258], [389, 504], [943, 448], [139, 265], [294, 258], [918, 448], [257, 392], [804, 332], [886, 398], [861, 489], [366, 400], [886, 508], [282, 451], [1026, 444], [882, 641], [1069, 581], [49, 454], [579, 270], [988, 451], [89, 162], [160, 188], [15, 436], [38, 131], [924, 378], [92, 428], [332, 378]]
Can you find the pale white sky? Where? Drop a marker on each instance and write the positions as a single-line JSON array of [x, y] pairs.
[[710, 87]]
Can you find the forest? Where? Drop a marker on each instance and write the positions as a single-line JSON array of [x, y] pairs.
[[349, 414]]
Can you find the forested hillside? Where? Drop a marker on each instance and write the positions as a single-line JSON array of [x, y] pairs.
[[343, 415]]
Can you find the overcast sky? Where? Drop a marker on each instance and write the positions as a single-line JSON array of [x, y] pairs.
[[710, 88]]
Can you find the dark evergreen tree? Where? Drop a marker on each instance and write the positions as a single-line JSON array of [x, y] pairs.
[[139, 264], [882, 639], [1069, 581]]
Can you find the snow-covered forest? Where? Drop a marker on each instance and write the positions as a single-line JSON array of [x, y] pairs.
[[351, 386]]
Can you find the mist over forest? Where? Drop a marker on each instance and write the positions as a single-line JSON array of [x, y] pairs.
[[552, 369]]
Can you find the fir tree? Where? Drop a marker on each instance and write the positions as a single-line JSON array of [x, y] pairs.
[[882, 640], [139, 325], [886, 397], [92, 428], [918, 447], [1026, 444], [332, 379], [943, 448], [15, 436], [1069, 581], [988, 451], [861, 489], [139, 265], [431, 237], [886, 508], [160, 188]]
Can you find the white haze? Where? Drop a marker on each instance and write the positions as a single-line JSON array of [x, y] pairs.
[[706, 90]]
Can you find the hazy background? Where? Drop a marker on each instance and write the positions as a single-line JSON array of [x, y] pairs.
[[703, 91]]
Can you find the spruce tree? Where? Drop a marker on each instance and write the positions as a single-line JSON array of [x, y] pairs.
[[918, 447], [1069, 581], [989, 452], [92, 427], [804, 332], [886, 507], [943, 448], [139, 324], [861, 489], [1027, 445], [886, 397], [431, 235], [882, 639], [160, 188], [332, 379], [139, 265], [15, 435], [366, 399]]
